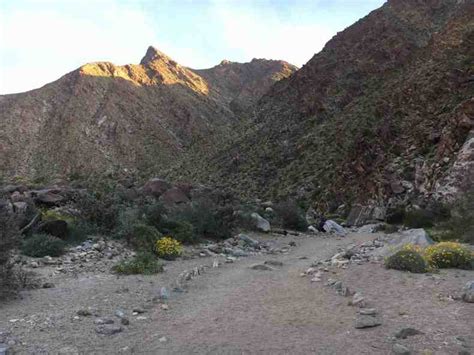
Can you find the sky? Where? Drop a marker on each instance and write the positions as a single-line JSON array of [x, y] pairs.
[[41, 40]]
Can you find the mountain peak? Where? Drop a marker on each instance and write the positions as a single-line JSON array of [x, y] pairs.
[[152, 55]]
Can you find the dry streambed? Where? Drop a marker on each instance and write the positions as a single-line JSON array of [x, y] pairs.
[[296, 294]]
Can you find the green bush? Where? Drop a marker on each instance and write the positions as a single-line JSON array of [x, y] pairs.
[[418, 219], [100, 209], [141, 236], [406, 260], [207, 219], [180, 230], [154, 213], [81, 230], [291, 216], [39, 245], [144, 263]]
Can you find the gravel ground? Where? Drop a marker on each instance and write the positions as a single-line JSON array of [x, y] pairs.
[[234, 309]]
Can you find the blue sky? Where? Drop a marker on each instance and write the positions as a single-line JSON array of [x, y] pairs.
[[40, 40]]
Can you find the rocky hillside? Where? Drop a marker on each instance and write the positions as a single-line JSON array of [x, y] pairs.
[[383, 113], [103, 118]]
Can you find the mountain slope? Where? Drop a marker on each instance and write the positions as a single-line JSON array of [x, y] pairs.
[[133, 119], [379, 113]]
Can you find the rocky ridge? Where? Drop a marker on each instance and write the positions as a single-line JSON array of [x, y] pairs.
[[382, 115], [105, 119]]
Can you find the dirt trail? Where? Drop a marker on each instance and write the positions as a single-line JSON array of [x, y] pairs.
[[236, 310]]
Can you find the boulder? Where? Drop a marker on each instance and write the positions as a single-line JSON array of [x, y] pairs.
[[155, 187], [261, 223], [332, 227], [417, 237], [248, 241], [49, 198], [174, 196], [56, 228], [360, 215]]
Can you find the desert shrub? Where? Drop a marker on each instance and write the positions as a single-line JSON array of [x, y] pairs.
[[54, 214], [168, 248], [180, 230], [418, 219], [144, 263], [141, 236], [208, 220], [100, 209], [154, 213], [81, 230], [449, 255], [406, 260], [291, 216], [39, 245], [388, 228], [9, 238]]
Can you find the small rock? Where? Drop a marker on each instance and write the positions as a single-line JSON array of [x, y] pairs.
[[368, 311], [247, 240], [108, 329], [125, 321], [367, 321], [119, 313], [292, 244], [164, 307], [48, 285], [468, 292], [400, 349], [262, 267], [34, 264], [164, 294], [163, 340], [84, 313], [4, 349], [102, 321], [407, 332], [138, 310], [273, 263], [215, 264], [358, 300]]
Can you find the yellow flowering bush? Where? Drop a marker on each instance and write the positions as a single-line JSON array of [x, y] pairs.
[[406, 260], [449, 255], [413, 247], [168, 248]]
